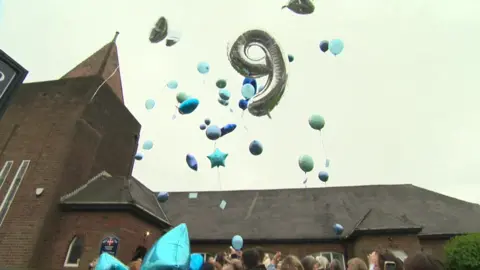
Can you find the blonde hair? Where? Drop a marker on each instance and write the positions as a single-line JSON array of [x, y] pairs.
[[322, 262], [291, 263], [357, 264]]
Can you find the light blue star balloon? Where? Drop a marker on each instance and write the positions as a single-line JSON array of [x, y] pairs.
[[217, 158], [107, 261]]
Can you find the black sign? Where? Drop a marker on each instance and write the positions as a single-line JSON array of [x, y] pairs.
[[109, 245], [12, 75]]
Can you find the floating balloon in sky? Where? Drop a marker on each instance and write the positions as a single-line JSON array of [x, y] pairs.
[[162, 196], [149, 104], [148, 145], [306, 163], [255, 148], [224, 94], [248, 91], [203, 126], [237, 242], [107, 261], [323, 176], [336, 46], [217, 158], [172, 38], [227, 129], [290, 58], [181, 97], [213, 132], [172, 84], [251, 81], [243, 104], [338, 229], [223, 102], [324, 46], [302, 7], [192, 162], [203, 67], [221, 83], [207, 121], [316, 122], [139, 156], [159, 32], [188, 106]]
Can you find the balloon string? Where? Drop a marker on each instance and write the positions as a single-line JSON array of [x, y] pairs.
[[243, 121], [175, 113], [324, 150], [218, 178], [305, 180], [214, 145]]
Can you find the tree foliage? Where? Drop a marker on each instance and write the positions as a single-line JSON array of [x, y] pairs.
[[463, 252]]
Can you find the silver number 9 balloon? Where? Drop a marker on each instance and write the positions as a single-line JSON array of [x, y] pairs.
[[272, 65]]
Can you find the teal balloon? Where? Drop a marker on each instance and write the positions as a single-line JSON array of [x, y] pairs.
[[172, 84], [316, 122], [217, 158], [223, 102], [107, 261], [149, 104], [248, 91], [181, 97], [171, 251], [196, 261], [224, 94], [148, 145], [290, 58], [306, 163], [336, 46], [203, 67]]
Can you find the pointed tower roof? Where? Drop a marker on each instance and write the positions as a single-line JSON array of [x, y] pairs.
[[103, 63]]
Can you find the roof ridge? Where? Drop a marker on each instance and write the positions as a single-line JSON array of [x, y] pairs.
[[154, 197], [82, 187]]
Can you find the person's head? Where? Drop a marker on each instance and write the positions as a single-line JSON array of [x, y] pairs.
[[422, 261], [139, 253], [356, 264], [233, 265], [384, 255], [309, 263], [261, 254], [322, 262], [251, 258], [335, 265], [291, 263], [220, 258]]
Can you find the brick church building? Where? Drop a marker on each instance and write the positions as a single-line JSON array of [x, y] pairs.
[[67, 151]]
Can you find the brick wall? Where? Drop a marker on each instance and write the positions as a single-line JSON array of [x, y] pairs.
[[95, 226], [366, 244], [434, 248]]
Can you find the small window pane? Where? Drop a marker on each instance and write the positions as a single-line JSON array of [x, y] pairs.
[[75, 251]]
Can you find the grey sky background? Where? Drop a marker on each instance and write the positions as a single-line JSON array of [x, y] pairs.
[[401, 101]]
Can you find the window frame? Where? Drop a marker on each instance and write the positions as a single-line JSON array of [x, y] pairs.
[[7, 166], [13, 189], [65, 262], [329, 256]]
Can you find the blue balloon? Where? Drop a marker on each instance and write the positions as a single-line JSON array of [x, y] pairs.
[[172, 84], [162, 196], [139, 156], [108, 262], [338, 229], [207, 121], [147, 145], [149, 104], [251, 81], [213, 132], [223, 102], [224, 94], [188, 106], [237, 242], [255, 148], [336, 46], [196, 261], [248, 91], [192, 162], [290, 58], [227, 129], [323, 176], [171, 251], [243, 104], [203, 67], [203, 126]]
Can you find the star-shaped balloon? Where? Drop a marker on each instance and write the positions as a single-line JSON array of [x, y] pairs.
[[217, 158]]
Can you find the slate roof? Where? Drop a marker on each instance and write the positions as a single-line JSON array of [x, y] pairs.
[[116, 193], [301, 214]]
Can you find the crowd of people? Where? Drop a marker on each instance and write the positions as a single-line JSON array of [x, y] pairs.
[[257, 259]]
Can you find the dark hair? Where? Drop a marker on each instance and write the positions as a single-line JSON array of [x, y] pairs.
[[423, 261], [309, 262], [207, 266], [385, 255], [140, 253], [220, 258], [250, 258], [261, 254]]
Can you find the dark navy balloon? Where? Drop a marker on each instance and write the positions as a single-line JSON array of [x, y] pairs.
[[192, 162], [324, 46], [139, 156], [207, 121], [188, 106], [338, 229], [255, 148], [227, 129], [290, 58], [250, 81], [203, 126], [323, 176], [243, 104], [213, 132], [162, 196]]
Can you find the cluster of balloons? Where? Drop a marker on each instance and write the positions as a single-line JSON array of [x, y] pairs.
[[335, 46]]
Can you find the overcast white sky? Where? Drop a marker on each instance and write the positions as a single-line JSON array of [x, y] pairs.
[[401, 101]]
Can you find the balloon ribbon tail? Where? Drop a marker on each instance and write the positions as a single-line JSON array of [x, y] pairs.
[[269, 116], [284, 7]]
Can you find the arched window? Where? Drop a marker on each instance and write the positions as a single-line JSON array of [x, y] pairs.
[[332, 256], [74, 252]]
